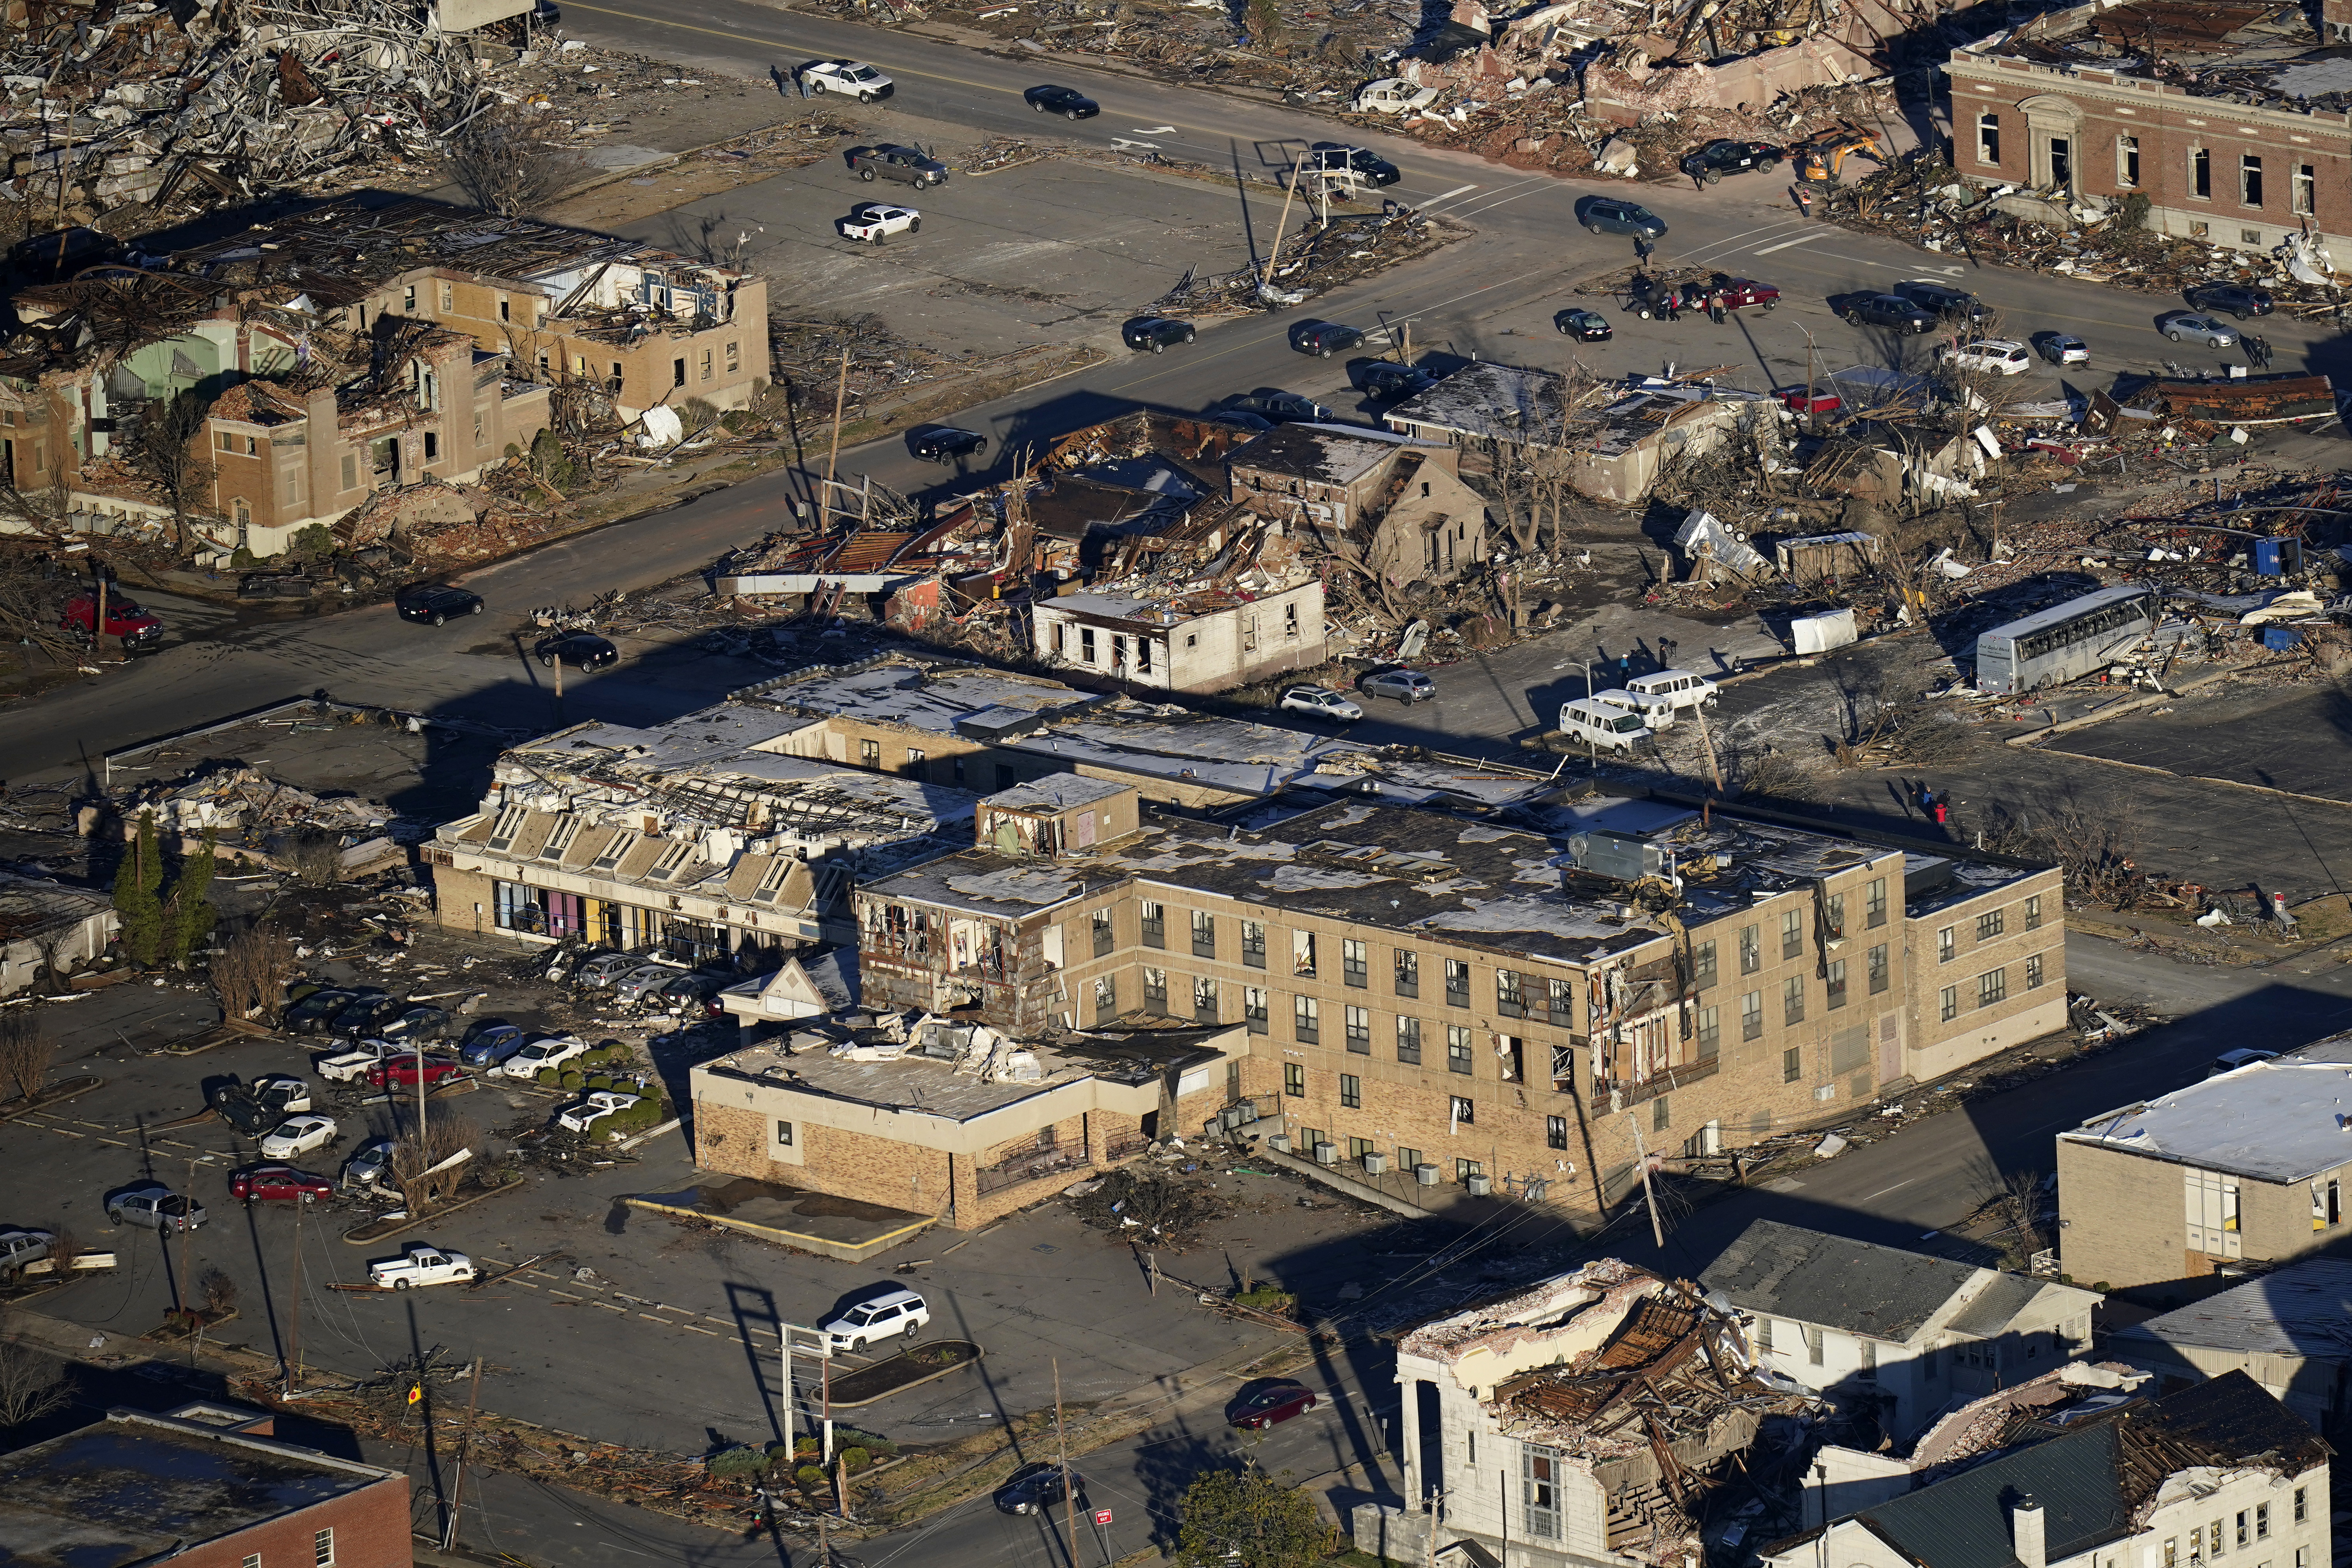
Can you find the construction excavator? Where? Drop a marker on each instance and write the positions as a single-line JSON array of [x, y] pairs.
[[1819, 159]]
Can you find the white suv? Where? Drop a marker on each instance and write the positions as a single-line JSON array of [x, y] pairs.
[[896, 1312], [1999, 355], [1321, 702]]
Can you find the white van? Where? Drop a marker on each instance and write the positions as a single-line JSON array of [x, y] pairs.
[[1611, 729], [1658, 712], [1680, 688]]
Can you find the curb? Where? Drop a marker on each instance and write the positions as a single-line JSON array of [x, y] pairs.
[[404, 1227], [978, 1355], [71, 1090], [2115, 711]]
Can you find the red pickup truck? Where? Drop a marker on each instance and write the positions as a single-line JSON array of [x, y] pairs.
[[124, 619], [1738, 293]]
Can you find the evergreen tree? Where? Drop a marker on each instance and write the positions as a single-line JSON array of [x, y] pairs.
[[137, 882], [187, 918]]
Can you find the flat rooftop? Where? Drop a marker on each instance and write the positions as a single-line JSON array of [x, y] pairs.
[[2282, 1120], [2257, 54], [913, 696], [137, 1486], [2300, 1310]]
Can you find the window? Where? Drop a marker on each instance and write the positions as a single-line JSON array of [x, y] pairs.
[[322, 1549], [253, 1560], [1098, 927], [1764, 1335], [2061, 163], [1835, 918], [2249, 181], [1358, 1022], [1408, 1159], [1702, 966], [1751, 1015], [2249, 237], [1086, 645], [1992, 923], [1508, 1000], [1294, 1081], [2033, 912], [1813, 1338], [1560, 1001], [2242, 1527], [1409, 1041], [1539, 1474], [2261, 1522], [1408, 973], [1946, 944], [1354, 966], [1462, 1113], [481, 439], [1155, 924], [2200, 174], [784, 1134], [2326, 1204], [432, 445], [351, 470], [1307, 1019], [869, 754], [1555, 1131], [1948, 1007], [2212, 1534], [1106, 997], [1792, 1064], [2033, 971], [2301, 1505], [1457, 1049], [1792, 933], [1792, 999], [1457, 982], [2171, 1551], [1874, 904], [1874, 961], [1254, 1009], [1302, 954], [1155, 992], [1751, 950], [1987, 138], [1710, 1032], [227, 441], [1352, 1092], [2304, 190], [1204, 999], [734, 357], [1253, 944], [1991, 987], [2128, 162], [1204, 934], [678, 373], [1869, 1369], [449, 300], [1658, 1119]]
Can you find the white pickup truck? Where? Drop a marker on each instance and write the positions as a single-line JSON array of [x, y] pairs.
[[871, 223], [420, 1265], [349, 1066]]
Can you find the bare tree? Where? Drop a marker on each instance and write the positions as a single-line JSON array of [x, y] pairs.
[[251, 971], [511, 159], [1892, 718], [219, 1293], [26, 1050], [412, 1162], [32, 1383], [2093, 843], [167, 451], [317, 857]]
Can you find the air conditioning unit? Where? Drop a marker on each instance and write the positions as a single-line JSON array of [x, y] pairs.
[[1279, 1142], [1376, 1164], [1327, 1153], [1230, 1118], [1245, 1113], [1425, 1174], [1480, 1185]]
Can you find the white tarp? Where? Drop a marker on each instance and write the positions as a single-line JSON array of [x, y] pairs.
[[1701, 528], [1819, 634], [662, 427]]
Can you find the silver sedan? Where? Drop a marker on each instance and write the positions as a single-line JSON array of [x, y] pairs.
[[2189, 326]]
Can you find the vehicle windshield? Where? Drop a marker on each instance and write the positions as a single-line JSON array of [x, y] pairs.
[[172, 1204], [1629, 722], [862, 73]]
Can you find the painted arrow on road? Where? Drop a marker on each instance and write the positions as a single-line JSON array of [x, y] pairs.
[[1153, 130]]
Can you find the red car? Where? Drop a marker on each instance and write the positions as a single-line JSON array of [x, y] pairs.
[[1270, 1406], [400, 1072], [124, 619], [278, 1183]]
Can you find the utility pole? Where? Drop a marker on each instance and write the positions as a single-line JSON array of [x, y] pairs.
[[840, 395], [1267, 281], [1061, 1438], [294, 1361], [784, 1351], [1699, 710], [1649, 1193], [465, 1447], [189, 1197]]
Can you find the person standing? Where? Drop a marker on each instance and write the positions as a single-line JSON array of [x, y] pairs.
[[1674, 303], [1642, 249], [1715, 308]]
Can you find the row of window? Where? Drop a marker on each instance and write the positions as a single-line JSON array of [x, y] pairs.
[[322, 1552], [1993, 986], [2303, 183], [2249, 1526]]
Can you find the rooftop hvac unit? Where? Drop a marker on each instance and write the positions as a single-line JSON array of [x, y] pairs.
[[1425, 1174], [1279, 1142], [1327, 1153], [1229, 1117], [1376, 1164], [1480, 1185], [1245, 1113]]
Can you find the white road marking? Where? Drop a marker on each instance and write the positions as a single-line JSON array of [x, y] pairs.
[[1446, 196], [1785, 1184], [1800, 239], [1124, 145], [1153, 130], [1884, 1191]]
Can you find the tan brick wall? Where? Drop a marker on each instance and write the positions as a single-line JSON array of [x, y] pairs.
[[740, 1142], [2121, 1216], [1939, 1046]]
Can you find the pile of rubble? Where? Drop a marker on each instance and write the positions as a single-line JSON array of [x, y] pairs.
[[249, 815], [1150, 1206]]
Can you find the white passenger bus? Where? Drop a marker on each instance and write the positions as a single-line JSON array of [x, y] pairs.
[[2065, 642]]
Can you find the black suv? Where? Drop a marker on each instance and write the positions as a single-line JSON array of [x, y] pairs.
[[1386, 378], [945, 443], [1337, 155], [1325, 337], [1721, 157], [1062, 101], [436, 602], [1943, 299], [1608, 214], [1889, 311], [1155, 332], [2235, 298]]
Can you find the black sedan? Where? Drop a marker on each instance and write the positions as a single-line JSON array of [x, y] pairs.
[[581, 650], [1719, 158], [1386, 378], [1068, 102], [436, 602], [1584, 326], [1154, 333], [312, 1015], [364, 1016], [1325, 337], [1370, 165], [2235, 298], [1887, 310], [945, 443], [1037, 1488], [1273, 403]]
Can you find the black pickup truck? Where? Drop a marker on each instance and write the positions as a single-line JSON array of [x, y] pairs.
[[889, 161]]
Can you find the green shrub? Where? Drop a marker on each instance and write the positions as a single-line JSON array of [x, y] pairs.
[[855, 1461], [569, 1079], [805, 1447], [316, 543], [880, 1447], [598, 1081], [740, 1461], [778, 1453], [242, 559], [810, 1478], [546, 1077], [1266, 1299]]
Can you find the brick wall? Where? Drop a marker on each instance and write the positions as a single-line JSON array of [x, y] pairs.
[[2030, 919], [370, 1529]]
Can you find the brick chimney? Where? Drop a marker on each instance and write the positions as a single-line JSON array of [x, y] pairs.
[[2025, 1534]]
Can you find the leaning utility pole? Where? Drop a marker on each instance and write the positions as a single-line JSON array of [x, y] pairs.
[[1069, 1499], [294, 1361], [833, 458], [1274, 254]]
